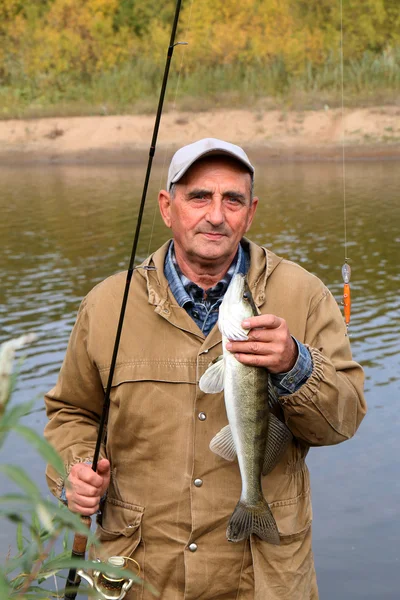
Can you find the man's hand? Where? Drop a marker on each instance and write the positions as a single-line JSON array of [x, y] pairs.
[[85, 488], [270, 344]]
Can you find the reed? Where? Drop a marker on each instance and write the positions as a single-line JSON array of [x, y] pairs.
[[133, 88], [40, 524]]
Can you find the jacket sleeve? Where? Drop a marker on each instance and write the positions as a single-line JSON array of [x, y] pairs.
[[329, 407], [74, 405]]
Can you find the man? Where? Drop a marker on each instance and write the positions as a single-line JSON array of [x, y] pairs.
[[166, 497]]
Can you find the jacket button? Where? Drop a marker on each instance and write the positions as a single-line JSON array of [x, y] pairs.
[[196, 314], [193, 547], [198, 482], [202, 416]]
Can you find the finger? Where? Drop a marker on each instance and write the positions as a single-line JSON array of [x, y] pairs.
[[267, 321], [253, 360], [249, 347], [263, 335], [84, 512], [81, 509], [269, 362], [83, 489], [78, 502], [84, 473], [85, 502], [73, 489]]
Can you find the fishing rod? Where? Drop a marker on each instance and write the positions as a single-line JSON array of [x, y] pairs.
[[80, 540]]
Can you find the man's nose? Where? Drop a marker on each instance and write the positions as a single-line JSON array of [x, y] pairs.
[[215, 214]]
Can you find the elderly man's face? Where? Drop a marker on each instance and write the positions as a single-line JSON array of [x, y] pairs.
[[211, 211]]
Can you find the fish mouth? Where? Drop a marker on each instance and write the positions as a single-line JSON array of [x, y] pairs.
[[249, 297], [239, 291]]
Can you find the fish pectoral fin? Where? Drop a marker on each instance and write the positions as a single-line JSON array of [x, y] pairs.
[[258, 519], [231, 328], [223, 444], [278, 438], [212, 381]]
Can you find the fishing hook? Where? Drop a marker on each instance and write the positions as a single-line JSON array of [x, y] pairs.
[[80, 541]]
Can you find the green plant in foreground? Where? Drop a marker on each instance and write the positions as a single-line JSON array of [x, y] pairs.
[[41, 525]]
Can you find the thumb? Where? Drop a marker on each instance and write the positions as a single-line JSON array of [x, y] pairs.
[[103, 467]]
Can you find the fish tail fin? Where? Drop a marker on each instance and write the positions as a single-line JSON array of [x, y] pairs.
[[257, 519]]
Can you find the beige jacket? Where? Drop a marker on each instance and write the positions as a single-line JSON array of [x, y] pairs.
[[161, 424]]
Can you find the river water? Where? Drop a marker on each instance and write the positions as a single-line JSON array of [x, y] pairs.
[[64, 229]]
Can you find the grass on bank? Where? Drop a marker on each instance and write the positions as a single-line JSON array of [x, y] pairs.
[[134, 88]]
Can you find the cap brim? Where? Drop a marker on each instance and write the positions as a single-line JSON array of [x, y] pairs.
[[216, 152]]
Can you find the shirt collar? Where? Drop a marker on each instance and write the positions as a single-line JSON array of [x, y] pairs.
[[185, 290]]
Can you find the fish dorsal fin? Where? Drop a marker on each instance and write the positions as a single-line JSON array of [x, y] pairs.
[[223, 444], [212, 381], [278, 439]]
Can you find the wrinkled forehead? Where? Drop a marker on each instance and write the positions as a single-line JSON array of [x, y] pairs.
[[207, 165]]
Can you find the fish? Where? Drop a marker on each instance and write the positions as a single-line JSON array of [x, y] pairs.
[[254, 435]]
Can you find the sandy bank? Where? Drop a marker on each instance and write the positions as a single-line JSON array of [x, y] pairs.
[[318, 135]]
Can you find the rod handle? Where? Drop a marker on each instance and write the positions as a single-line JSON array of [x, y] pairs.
[[78, 551]]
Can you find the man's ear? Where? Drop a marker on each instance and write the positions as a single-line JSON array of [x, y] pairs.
[[252, 212], [164, 202]]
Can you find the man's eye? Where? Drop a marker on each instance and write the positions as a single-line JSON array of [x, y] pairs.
[[198, 197]]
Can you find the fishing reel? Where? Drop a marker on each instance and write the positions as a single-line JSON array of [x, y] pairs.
[[106, 585]]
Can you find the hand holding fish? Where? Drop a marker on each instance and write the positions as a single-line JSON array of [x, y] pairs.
[[85, 487], [269, 344]]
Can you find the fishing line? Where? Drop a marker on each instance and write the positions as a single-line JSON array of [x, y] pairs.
[[346, 270], [175, 96], [343, 132]]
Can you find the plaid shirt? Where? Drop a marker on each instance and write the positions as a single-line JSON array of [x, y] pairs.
[[203, 306]]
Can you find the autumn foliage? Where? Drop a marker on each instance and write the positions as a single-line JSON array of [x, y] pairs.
[[56, 43]]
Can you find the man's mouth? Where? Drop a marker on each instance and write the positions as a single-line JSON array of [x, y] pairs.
[[213, 235]]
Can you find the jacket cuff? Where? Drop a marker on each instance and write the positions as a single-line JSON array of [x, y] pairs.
[[307, 392], [290, 382]]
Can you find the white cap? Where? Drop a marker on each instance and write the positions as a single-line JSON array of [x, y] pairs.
[[186, 156]]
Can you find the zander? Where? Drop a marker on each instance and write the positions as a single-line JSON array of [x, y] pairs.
[[254, 435]]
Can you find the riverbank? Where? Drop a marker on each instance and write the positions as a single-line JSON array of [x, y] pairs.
[[368, 133]]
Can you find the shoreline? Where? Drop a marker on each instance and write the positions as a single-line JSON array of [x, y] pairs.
[[368, 134]]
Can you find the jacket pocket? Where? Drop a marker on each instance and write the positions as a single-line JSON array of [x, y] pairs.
[[120, 532], [170, 370], [293, 517]]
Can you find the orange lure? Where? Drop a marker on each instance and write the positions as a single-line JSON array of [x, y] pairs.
[[346, 273]]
